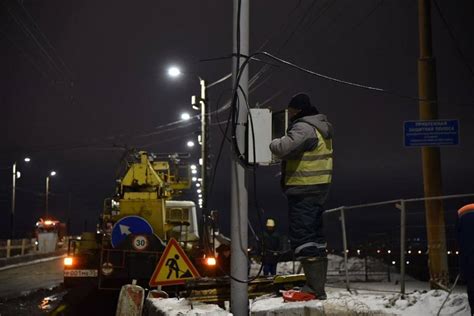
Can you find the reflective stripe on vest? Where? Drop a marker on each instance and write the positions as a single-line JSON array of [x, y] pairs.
[[313, 167]]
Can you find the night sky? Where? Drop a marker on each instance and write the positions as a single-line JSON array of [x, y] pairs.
[[81, 80]]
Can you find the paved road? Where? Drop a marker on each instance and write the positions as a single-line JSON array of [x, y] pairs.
[[23, 279]]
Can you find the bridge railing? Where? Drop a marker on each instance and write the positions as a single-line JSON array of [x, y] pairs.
[[15, 247], [395, 212]]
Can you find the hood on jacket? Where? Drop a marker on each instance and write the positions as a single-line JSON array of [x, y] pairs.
[[320, 122]]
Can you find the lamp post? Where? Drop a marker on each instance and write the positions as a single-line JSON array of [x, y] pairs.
[[198, 104], [15, 175], [51, 174]]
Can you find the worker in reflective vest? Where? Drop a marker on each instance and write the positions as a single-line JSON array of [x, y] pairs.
[[307, 163], [466, 249]]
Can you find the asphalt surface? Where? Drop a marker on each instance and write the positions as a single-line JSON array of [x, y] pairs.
[[22, 280], [35, 289]]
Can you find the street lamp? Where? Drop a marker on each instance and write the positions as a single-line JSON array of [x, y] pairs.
[[15, 175], [200, 103], [185, 116], [174, 72], [51, 174]]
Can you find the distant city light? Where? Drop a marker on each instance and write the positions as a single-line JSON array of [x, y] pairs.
[[389, 251], [449, 252], [200, 196], [194, 171], [393, 262], [409, 251], [185, 116], [190, 143], [419, 252], [408, 262], [457, 252], [27, 159], [199, 191], [358, 251], [198, 185], [52, 173], [200, 161], [378, 250], [18, 174], [194, 179], [174, 72], [193, 167]]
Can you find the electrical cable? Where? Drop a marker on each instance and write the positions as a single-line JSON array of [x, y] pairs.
[[44, 37], [27, 31], [453, 38], [26, 55]]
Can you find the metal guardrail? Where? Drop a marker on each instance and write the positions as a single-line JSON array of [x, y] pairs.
[[400, 204], [21, 247]]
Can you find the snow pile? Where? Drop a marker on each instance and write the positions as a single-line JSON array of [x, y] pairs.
[[267, 305], [181, 307], [341, 302], [422, 303]]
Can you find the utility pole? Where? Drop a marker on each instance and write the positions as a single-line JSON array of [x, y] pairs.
[[438, 263], [239, 199], [12, 214]]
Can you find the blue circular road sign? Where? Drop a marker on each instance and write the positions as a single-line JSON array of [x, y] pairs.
[[129, 225]]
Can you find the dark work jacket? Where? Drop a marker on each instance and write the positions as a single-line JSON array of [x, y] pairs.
[[272, 246]]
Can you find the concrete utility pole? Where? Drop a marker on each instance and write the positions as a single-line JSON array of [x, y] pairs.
[[438, 263], [239, 199]]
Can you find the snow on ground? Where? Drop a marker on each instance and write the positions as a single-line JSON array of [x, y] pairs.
[[181, 307], [340, 302]]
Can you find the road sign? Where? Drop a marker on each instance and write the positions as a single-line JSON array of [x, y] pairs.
[[174, 267], [431, 133], [129, 225], [140, 242]]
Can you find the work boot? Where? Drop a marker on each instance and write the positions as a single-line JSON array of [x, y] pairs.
[[315, 270]]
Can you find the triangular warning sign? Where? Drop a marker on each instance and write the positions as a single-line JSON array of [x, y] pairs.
[[174, 267]]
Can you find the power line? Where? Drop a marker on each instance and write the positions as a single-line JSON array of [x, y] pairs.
[[26, 55], [26, 30], [453, 39], [45, 38]]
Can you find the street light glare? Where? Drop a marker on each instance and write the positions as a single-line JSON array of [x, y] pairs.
[[185, 116], [27, 159], [190, 143], [53, 173], [174, 72]]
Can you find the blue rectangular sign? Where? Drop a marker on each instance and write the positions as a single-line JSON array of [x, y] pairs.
[[431, 133]]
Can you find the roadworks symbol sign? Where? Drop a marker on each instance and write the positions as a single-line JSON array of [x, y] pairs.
[[174, 267]]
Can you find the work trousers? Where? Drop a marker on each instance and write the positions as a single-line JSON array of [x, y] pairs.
[[305, 213], [269, 269]]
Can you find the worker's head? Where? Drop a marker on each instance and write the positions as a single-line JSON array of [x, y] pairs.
[[270, 224], [299, 106]]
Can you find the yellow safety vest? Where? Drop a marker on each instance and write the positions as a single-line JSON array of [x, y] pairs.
[[312, 167]]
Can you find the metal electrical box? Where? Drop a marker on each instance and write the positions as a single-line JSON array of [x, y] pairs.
[[264, 126], [260, 129]]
